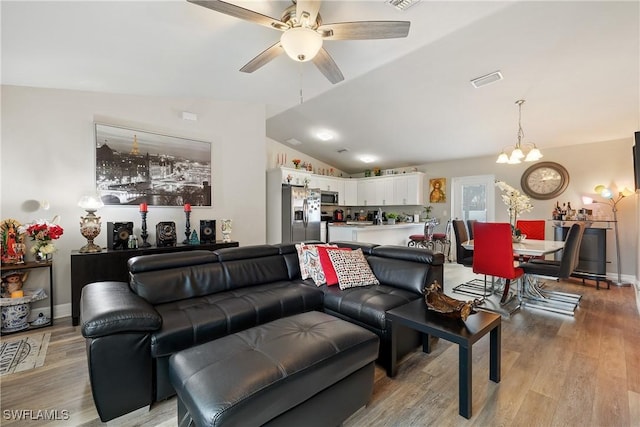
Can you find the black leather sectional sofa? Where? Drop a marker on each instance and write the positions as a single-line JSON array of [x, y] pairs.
[[179, 300]]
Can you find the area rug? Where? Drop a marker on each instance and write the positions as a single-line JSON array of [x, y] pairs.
[[24, 353]]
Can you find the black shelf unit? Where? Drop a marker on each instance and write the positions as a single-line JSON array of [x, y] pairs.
[[31, 265], [111, 265]]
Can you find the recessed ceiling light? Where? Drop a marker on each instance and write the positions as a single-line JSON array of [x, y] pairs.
[[324, 135], [367, 159], [487, 79]]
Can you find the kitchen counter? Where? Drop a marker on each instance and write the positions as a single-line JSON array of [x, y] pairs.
[[367, 232]]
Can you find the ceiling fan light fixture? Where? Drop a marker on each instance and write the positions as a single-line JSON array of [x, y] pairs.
[[301, 44]]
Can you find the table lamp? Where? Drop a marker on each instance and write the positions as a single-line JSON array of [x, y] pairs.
[[90, 223]]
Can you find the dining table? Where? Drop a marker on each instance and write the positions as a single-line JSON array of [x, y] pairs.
[[532, 293]]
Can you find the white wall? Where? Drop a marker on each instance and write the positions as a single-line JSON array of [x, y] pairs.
[[608, 163], [48, 153]]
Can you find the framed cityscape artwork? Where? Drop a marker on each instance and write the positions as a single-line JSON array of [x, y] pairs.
[[134, 166]]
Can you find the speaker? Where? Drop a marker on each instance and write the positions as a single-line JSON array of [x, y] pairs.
[[166, 234], [118, 234], [207, 231]]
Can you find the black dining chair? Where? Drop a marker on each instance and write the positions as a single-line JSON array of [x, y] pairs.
[[534, 293], [475, 287], [463, 256], [470, 223]]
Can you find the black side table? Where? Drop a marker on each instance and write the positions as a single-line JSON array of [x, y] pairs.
[[416, 316]]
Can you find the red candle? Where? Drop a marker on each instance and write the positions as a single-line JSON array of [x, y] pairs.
[[187, 207], [144, 207]]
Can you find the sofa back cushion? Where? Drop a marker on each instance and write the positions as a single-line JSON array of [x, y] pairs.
[[170, 277], [252, 265], [406, 268]]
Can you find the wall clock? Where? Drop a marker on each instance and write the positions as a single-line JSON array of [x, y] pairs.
[[544, 180]]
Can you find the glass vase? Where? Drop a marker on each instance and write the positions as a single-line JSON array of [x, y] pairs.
[[42, 258]]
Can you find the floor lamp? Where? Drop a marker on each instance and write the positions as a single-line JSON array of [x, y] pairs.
[[613, 202]]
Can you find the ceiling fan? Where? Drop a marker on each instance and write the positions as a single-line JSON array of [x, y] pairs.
[[303, 33]]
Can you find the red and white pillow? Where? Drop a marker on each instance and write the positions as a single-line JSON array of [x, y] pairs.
[[331, 278], [331, 265], [352, 269], [310, 262]]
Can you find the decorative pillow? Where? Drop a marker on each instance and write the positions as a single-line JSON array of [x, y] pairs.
[[309, 261], [331, 278], [352, 269]]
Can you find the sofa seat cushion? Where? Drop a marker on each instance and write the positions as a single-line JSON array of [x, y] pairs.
[[194, 321], [252, 377], [367, 304]]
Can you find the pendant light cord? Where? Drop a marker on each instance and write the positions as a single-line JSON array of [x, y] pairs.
[[520, 131], [300, 75]]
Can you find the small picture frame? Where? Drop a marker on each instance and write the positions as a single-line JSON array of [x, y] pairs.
[[437, 190]]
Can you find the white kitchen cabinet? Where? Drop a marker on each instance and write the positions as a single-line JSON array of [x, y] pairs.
[[350, 197], [366, 192], [385, 191], [376, 191], [327, 183], [409, 189]]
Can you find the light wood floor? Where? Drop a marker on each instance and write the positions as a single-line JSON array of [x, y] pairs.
[[556, 371]]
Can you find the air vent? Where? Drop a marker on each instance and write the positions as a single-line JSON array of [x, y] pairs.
[[293, 141], [402, 5], [487, 79], [343, 150]]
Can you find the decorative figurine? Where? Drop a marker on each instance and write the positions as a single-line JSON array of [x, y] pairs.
[[194, 238], [226, 230], [12, 282], [445, 305]]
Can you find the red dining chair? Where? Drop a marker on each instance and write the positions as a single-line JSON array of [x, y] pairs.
[[533, 228], [493, 253], [475, 287]]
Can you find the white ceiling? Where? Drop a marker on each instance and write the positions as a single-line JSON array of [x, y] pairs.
[[403, 101]]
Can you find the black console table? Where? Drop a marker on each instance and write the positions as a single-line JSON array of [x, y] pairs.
[[111, 265]]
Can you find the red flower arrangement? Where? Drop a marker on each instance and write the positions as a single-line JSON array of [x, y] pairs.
[[43, 232]]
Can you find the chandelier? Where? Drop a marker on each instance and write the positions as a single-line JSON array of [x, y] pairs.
[[518, 150]]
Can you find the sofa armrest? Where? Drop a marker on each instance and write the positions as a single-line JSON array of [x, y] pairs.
[[111, 307]]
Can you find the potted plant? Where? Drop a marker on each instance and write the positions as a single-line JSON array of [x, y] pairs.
[[391, 218]]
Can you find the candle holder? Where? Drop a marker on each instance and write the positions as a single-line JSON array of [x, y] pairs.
[[187, 229], [144, 235]]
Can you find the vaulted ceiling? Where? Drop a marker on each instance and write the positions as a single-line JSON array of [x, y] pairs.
[[403, 101]]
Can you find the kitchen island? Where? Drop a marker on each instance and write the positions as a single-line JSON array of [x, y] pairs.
[[366, 232]]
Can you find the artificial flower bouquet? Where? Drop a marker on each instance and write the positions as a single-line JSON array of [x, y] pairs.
[[43, 233]]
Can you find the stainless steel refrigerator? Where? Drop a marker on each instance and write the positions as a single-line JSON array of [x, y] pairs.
[[300, 214]]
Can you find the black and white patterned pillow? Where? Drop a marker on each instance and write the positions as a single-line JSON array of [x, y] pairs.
[[352, 269]]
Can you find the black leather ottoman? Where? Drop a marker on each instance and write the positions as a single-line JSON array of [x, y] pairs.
[[310, 369]]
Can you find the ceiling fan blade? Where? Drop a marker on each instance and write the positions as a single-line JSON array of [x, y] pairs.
[[264, 57], [327, 66], [365, 30], [242, 13], [309, 7]]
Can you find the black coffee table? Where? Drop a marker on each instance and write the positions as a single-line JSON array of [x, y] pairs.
[[416, 316]]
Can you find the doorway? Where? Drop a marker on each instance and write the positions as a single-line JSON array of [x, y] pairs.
[[473, 197]]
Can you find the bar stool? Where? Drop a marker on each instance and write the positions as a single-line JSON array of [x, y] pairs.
[[425, 240]]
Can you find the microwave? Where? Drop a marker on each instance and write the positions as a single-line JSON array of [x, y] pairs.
[[328, 198]]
